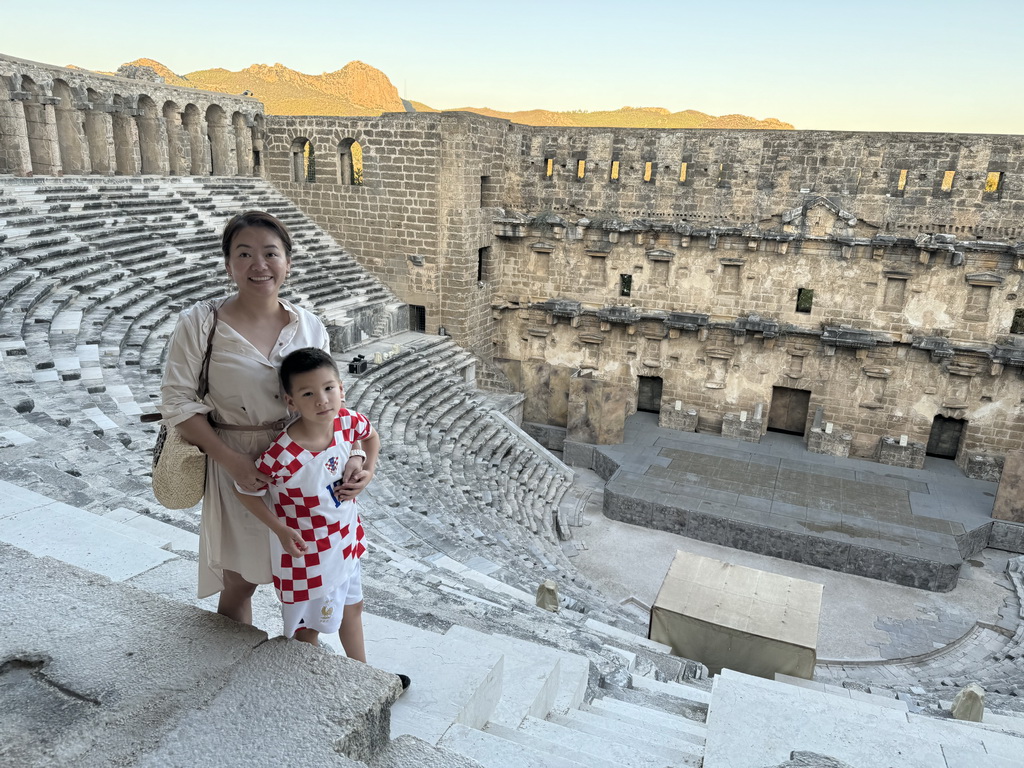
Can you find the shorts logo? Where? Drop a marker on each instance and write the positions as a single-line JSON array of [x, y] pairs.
[[332, 464]]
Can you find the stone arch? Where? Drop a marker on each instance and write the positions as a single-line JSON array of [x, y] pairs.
[[152, 139], [350, 162], [195, 141], [40, 128], [303, 161], [70, 130], [125, 136], [99, 133], [220, 147], [14, 150], [176, 160], [243, 143], [259, 131]]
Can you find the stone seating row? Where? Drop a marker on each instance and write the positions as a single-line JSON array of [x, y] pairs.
[[991, 655]]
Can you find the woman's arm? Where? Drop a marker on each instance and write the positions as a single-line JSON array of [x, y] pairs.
[[181, 406], [290, 539], [240, 466]]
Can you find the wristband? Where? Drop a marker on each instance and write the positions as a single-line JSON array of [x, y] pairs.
[[357, 452]]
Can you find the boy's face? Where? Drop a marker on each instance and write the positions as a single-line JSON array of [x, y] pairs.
[[317, 395]]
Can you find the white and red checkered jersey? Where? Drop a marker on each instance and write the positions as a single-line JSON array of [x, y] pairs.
[[302, 487]]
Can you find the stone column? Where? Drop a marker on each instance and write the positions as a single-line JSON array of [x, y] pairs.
[[99, 132], [597, 412], [1009, 504], [15, 156]]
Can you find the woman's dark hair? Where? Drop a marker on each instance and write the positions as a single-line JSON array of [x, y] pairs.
[[255, 219], [303, 361]]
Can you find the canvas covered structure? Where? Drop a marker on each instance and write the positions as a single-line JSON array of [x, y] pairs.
[[731, 616]]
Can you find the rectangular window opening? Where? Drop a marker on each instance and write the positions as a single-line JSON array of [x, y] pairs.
[[901, 183], [549, 166], [625, 285], [682, 172], [483, 257], [648, 171], [731, 278], [614, 174], [1017, 326], [417, 318], [994, 181], [895, 292], [581, 168], [947, 180], [804, 300]]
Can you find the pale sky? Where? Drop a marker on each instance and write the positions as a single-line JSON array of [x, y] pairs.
[[877, 65]]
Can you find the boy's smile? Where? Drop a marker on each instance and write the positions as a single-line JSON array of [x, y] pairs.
[[317, 395]]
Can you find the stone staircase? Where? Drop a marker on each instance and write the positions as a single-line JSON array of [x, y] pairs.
[[494, 698]]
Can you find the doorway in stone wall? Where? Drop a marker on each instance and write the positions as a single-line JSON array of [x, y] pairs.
[[417, 318], [788, 411], [648, 394], [944, 439]]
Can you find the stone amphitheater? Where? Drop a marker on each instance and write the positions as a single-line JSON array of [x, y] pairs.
[[109, 660]]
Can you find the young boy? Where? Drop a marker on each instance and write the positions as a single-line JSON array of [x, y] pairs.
[[318, 537]]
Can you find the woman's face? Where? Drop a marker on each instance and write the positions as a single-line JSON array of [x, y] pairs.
[[257, 262]]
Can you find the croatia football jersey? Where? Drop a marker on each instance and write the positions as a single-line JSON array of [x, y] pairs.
[[302, 487]]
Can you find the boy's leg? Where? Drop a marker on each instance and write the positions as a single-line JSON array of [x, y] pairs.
[[307, 635], [351, 632], [236, 598]]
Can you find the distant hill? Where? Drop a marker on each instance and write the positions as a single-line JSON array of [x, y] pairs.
[[359, 89]]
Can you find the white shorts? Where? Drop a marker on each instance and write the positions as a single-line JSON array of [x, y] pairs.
[[325, 613]]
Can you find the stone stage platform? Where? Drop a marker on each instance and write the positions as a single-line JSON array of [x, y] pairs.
[[909, 527]]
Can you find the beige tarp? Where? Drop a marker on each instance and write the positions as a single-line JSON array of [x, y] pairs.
[[725, 615]]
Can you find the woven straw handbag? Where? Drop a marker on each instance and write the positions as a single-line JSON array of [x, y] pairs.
[[179, 468]]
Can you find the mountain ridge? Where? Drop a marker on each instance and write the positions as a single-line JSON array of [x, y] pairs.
[[361, 89]]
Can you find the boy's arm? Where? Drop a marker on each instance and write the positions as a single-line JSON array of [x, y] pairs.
[[354, 481], [291, 540]]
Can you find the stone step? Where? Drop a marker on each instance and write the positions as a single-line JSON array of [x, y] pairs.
[[530, 680], [493, 751], [407, 751], [639, 737], [620, 749], [687, 693], [844, 693], [633, 714], [452, 681], [49, 528], [753, 721]]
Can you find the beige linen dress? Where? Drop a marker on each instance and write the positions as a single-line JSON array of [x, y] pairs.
[[244, 390]]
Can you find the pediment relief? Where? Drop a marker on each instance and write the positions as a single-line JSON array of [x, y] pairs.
[[984, 278], [822, 218]]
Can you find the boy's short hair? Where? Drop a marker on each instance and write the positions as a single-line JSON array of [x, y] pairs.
[[262, 219], [303, 361]]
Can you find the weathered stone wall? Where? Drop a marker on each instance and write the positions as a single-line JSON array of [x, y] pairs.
[[56, 121], [738, 176], [421, 215]]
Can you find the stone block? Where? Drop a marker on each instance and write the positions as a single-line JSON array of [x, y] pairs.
[[835, 444], [1006, 536], [889, 451], [749, 430], [969, 704], [1009, 503], [981, 466], [683, 420], [578, 454]]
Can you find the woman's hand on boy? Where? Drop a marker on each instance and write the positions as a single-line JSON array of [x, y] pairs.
[[353, 480], [243, 471]]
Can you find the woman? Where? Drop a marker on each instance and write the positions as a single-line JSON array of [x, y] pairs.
[[243, 411]]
